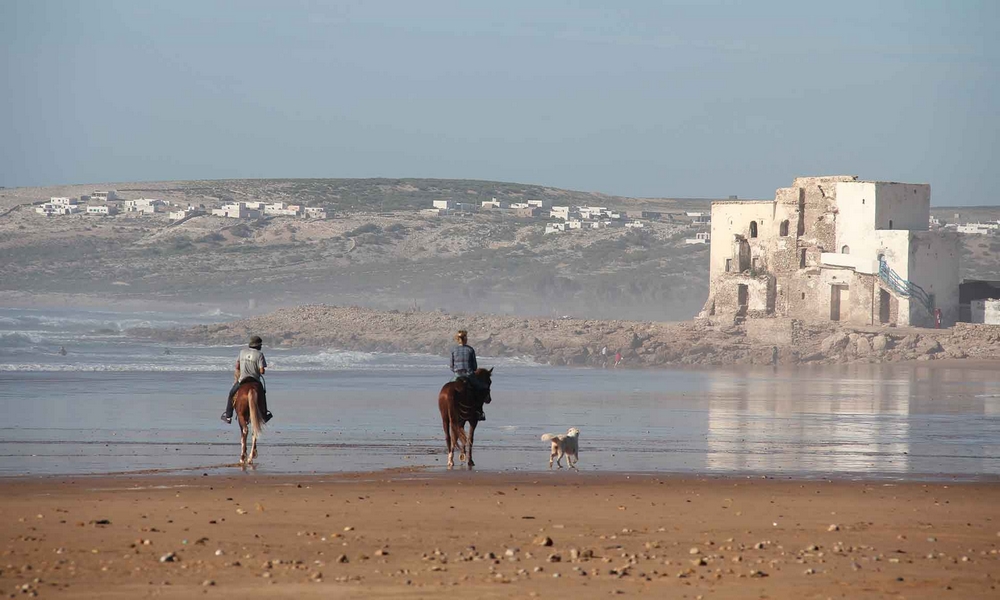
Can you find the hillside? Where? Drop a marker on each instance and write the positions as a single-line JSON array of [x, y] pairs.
[[377, 250]]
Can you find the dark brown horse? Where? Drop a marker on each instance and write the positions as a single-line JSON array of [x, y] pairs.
[[249, 412], [459, 404]]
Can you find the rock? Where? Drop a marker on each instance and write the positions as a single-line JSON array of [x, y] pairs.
[[835, 343], [881, 343], [864, 346], [928, 347], [833, 528], [343, 558], [543, 540], [168, 557]]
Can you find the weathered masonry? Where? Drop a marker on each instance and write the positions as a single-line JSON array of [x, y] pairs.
[[834, 249]]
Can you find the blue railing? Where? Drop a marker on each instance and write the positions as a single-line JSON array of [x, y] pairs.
[[902, 287]]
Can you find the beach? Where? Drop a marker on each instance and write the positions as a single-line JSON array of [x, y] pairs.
[[117, 479], [409, 534]]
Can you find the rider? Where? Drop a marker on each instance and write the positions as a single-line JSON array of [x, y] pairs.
[[463, 364], [249, 366]]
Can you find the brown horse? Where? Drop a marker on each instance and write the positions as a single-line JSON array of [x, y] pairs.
[[251, 416], [459, 404]]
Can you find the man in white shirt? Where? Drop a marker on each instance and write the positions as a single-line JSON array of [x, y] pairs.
[[251, 364]]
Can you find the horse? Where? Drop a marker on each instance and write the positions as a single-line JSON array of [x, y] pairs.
[[250, 415], [459, 404]]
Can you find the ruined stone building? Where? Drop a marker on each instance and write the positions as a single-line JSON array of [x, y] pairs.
[[834, 249]]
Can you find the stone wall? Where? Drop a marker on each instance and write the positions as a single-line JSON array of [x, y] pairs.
[[777, 332]]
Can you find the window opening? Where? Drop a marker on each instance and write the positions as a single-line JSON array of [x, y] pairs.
[[845, 250], [784, 228], [753, 229]]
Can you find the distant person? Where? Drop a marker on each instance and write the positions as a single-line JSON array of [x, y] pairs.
[[167, 352], [250, 365], [62, 350], [618, 358], [463, 364]]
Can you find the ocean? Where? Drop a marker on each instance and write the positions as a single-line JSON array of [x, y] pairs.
[[116, 404]]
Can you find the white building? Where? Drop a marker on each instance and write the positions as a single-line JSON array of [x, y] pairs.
[[146, 206], [182, 214], [280, 209], [314, 212], [699, 218], [236, 210], [48, 209], [702, 237], [979, 228], [834, 249], [539, 203], [556, 227], [635, 225], [494, 203], [102, 209], [61, 201], [560, 212], [443, 204], [100, 196]]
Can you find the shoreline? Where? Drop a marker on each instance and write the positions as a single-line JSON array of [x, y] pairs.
[[406, 536], [593, 343], [438, 473]]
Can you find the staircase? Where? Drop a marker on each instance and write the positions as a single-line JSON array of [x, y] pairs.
[[904, 288]]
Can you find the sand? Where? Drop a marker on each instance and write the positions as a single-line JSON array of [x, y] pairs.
[[405, 534]]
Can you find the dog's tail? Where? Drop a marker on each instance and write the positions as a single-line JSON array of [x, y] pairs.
[[549, 436]]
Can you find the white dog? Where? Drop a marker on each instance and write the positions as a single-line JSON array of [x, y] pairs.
[[566, 444]]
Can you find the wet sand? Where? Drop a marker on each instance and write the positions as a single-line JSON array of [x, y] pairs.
[[410, 534]]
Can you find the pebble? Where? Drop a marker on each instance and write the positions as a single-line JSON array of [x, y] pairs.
[[168, 557], [543, 540], [343, 558], [219, 552], [208, 583], [694, 551], [833, 528]]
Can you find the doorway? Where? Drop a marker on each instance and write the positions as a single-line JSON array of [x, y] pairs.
[[884, 310], [840, 299], [742, 299]]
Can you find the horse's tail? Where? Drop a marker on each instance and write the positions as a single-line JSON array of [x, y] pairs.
[[255, 421]]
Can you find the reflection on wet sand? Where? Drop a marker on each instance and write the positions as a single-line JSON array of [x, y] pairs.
[[858, 419]]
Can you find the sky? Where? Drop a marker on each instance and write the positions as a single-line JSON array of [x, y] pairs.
[[650, 99]]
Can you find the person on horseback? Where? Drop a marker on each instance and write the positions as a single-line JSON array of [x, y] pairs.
[[463, 365], [250, 365]]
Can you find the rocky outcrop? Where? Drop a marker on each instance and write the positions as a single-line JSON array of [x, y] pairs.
[[587, 342]]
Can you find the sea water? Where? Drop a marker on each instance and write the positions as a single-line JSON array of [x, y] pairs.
[[116, 404]]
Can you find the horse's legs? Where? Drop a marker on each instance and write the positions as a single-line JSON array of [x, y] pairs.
[[253, 448], [463, 446], [448, 441], [472, 437], [243, 442]]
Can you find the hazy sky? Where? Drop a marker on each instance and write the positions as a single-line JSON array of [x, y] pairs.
[[692, 98]]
